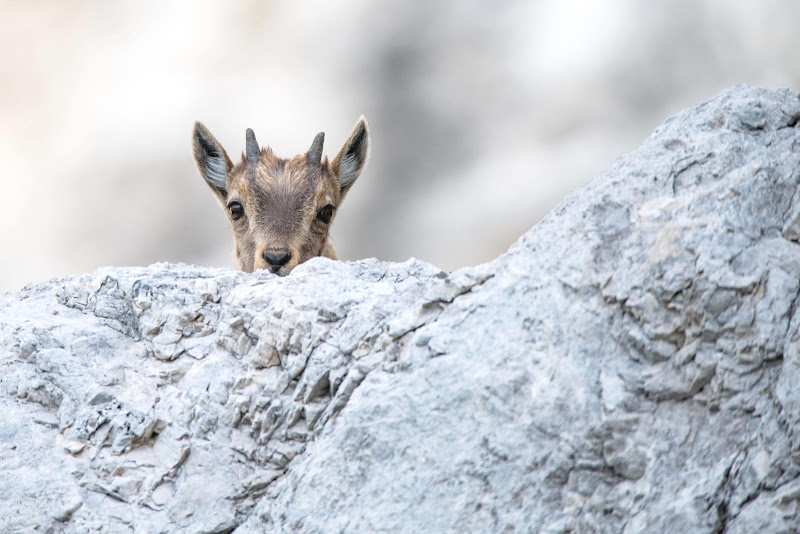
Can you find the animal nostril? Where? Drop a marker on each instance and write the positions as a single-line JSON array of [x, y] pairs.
[[278, 258]]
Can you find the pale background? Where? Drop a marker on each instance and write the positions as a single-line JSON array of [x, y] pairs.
[[483, 114]]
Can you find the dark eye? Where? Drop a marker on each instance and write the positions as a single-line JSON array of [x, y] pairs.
[[325, 214], [236, 210]]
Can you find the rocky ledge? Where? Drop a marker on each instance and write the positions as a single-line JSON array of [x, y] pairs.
[[631, 364]]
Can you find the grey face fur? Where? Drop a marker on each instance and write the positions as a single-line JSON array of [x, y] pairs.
[[280, 209]]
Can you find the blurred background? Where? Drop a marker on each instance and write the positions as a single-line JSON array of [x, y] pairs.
[[482, 114]]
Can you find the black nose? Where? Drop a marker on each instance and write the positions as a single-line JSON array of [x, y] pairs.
[[277, 258]]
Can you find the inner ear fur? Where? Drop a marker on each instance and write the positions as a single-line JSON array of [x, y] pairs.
[[212, 160], [351, 159]]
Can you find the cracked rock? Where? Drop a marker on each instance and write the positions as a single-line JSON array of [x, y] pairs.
[[631, 365]]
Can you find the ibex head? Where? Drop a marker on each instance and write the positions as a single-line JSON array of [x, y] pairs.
[[280, 209]]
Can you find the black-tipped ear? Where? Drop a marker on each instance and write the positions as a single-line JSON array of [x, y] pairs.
[[351, 159], [212, 160]]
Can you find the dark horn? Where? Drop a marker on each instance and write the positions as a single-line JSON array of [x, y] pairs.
[[252, 147], [315, 152]]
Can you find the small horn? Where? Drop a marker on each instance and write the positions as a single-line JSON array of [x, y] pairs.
[[252, 146], [315, 152]]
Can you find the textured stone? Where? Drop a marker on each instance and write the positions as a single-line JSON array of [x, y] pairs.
[[630, 365]]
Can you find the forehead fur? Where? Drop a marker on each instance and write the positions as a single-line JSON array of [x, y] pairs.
[[281, 176], [283, 188]]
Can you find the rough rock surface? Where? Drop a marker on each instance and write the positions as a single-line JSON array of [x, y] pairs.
[[631, 364]]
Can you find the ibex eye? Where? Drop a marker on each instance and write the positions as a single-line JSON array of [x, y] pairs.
[[236, 210], [325, 214]]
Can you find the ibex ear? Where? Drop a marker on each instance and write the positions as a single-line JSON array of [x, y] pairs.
[[350, 160], [212, 160]]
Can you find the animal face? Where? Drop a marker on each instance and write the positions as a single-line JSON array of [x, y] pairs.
[[280, 209]]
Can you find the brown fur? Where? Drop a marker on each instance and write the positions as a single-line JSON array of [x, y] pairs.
[[283, 199]]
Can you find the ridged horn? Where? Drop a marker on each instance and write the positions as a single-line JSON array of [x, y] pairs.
[[315, 152], [252, 146]]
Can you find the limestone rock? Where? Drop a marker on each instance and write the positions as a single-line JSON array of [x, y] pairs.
[[631, 364]]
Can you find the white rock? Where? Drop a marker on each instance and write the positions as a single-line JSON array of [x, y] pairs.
[[630, 364]]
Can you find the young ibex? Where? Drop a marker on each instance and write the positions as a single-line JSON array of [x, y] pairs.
[[280, 209]]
